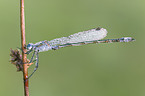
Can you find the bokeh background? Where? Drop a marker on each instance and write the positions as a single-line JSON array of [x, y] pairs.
[[116, 69]]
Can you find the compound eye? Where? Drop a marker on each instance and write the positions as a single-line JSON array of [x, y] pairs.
[[29, 46]]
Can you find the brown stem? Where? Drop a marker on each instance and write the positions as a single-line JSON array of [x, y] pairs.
[[23, 41]]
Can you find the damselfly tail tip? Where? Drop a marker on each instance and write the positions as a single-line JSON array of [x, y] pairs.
[[133, 39], [127, 39]]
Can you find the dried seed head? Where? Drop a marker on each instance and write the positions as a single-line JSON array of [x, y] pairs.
[[16, 59]]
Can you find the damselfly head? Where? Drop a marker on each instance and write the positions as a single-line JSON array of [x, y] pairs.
[[29, 46]]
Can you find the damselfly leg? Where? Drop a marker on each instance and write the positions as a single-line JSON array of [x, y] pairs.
[[36, 64], [32, 57]]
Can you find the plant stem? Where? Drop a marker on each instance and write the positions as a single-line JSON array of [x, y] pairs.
[[23, 41]]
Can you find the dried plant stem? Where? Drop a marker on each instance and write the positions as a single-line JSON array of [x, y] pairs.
[[23, 41]]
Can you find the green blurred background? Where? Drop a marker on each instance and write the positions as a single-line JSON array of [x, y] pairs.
[[116, 69]]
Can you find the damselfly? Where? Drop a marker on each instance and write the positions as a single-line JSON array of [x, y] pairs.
[[77, 39]]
